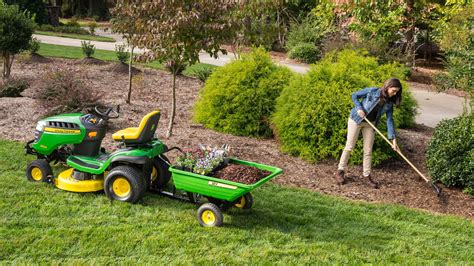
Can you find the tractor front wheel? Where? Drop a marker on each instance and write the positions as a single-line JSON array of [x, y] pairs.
[[125, 183], [38, 171], [210, 215]]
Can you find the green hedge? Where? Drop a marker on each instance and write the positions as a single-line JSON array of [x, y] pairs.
[[450, 154], [311, 114], [305, 52], [239, 97]]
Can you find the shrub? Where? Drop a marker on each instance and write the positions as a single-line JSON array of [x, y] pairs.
[[92, 26], [73, 22], [200, 71], [34, 46], [313, 28], [13, 87], [88, 49], [305, 52], [450, 153], [64, 91], [311, 114], [121, 53], [63, 29], [239, 97]]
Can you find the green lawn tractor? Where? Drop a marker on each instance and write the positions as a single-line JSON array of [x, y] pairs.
[[75, 139]]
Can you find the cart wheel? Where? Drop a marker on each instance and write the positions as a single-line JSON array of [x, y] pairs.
[[160, 175], [245, 202], [210, 215], [38, 171], [125, 183]]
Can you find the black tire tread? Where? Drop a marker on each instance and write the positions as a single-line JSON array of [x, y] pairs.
[[133, 175], [43, 165], [215, 209]]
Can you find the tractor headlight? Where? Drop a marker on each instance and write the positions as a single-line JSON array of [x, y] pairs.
[[40, 126]]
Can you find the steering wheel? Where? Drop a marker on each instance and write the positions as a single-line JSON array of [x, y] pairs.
[[107, 112]]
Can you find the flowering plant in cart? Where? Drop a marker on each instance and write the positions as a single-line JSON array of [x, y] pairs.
[[203, 160]]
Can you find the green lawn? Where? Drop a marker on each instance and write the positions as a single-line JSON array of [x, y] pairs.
[[42, 224], [53, 50], [77, 36], [85, 22]]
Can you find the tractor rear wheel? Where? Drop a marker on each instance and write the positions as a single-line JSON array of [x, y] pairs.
[[39, 171], [160, 175], [125, 183]]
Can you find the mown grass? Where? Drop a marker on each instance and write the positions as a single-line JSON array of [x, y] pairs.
[[71, 52], [40, 223], [85, 22], [76, 36]]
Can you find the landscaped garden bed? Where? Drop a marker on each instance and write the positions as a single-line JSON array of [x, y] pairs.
[[151, 91]]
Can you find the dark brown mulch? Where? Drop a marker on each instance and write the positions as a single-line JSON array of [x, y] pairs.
[[91, 61], [241, 174], [120, 68], [36, 58], [399, 184]]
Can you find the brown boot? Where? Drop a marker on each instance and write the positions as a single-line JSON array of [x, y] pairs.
[[339, 176], [372, 182]]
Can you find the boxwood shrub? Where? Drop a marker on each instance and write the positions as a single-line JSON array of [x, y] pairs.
[[305, 52], [312, 111], [239, 97], [450, 154]]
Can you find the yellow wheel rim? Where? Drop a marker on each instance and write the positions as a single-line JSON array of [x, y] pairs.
[[121, 187], [208, 217], [36, 174], [241, 203], [154, 174]]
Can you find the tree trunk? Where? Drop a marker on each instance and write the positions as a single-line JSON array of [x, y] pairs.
[[130, 76], [7, 65], [173, 107], [410, 49]]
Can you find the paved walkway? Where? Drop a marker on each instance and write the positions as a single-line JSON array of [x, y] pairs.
[[433, 107]]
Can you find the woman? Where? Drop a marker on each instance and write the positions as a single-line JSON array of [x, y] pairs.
[[370, 103]]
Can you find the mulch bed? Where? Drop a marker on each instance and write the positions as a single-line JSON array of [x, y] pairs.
[[398, 183], [241, 174]]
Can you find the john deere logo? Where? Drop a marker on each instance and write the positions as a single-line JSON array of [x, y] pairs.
[[152, 127], [60, 130]]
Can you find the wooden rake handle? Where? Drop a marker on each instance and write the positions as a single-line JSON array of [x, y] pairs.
[[398, 151]]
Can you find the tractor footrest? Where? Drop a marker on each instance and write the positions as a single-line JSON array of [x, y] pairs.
[[82, 163]]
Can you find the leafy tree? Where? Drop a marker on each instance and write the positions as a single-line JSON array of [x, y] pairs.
[[36, 8], [176, 31], [90, 8], [388, 28], [455, 35], [16, 29]]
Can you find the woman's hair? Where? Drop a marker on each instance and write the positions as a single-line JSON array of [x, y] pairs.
[[392, 82]]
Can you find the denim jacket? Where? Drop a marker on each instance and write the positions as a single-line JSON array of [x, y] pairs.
[[370, 98]]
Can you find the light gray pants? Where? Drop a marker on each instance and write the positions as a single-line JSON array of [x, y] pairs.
[[368, 134]]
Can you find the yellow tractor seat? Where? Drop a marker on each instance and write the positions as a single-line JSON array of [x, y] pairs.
[[141, 134]]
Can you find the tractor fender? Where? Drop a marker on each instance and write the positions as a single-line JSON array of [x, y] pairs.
[[131, 159]]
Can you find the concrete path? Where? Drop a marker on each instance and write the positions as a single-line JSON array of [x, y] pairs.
[[433, 107]]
